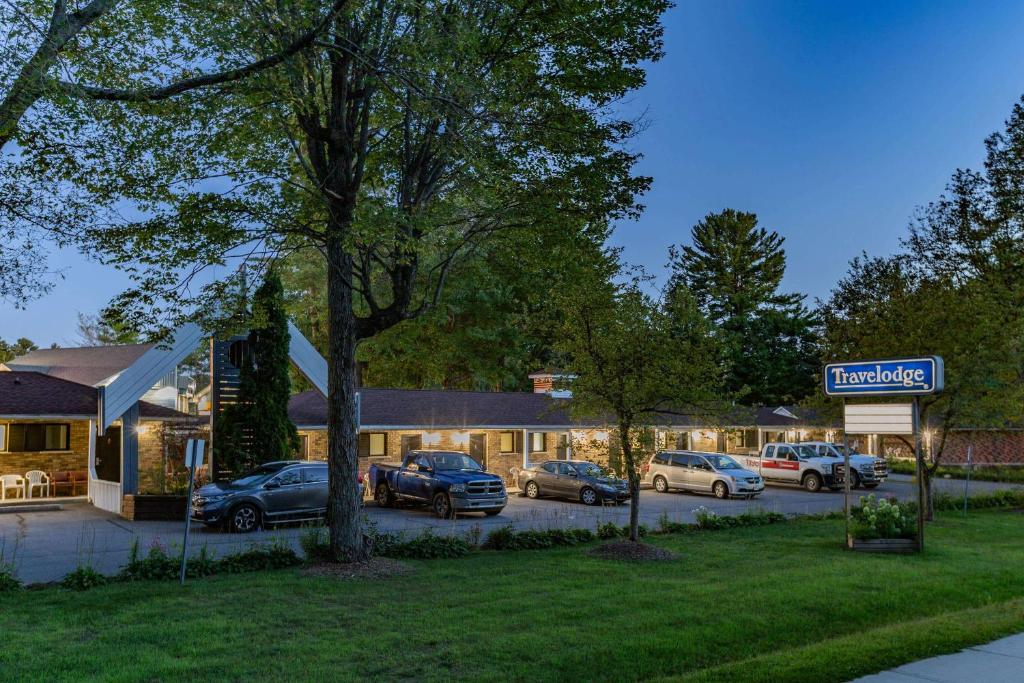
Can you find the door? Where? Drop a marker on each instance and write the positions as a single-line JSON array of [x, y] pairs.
[[546, 477], [108, 455], [700, 474], [562, 447], [414, 480], [478, 448], [411, 442], [314, 480], [678, 470], [288, 494], [567, 481], [787, 463]]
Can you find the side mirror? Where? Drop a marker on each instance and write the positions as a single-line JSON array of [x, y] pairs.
[[272, 485], [425, 470]]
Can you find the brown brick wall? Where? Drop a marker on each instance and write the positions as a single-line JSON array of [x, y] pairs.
[[77, 458], [495, 461]]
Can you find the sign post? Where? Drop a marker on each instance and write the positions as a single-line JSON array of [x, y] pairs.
[[193, 460], [967, 481], [914, 377]]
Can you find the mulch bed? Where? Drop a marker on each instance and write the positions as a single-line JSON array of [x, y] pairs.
[[632, 552], [375, 568]]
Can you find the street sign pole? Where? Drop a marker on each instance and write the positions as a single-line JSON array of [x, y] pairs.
[[193, 460], [846, 479], [967, 482], [919, 459]]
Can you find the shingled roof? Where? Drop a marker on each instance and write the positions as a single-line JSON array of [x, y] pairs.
[[28, 394], [89, 365], [436, 409]]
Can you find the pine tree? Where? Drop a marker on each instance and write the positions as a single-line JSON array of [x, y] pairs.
[[734, 269]]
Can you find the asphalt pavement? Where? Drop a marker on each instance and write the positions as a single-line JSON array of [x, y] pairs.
[[46, 545]]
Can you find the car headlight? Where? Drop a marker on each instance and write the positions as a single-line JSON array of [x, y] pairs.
[[458, 488], [203, 500], [826, 468]]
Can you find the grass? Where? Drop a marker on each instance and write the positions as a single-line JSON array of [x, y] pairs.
[[1000, 473], [777, 603]]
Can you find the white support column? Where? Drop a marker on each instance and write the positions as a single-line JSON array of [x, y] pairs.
[[526, 449], [92, 458], [568, 445]]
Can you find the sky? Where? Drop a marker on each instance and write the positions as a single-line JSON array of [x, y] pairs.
[[832, 121]]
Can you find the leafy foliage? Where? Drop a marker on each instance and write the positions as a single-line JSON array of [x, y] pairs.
[[83, 578], [15, 349], [634, 360], [507, 538]]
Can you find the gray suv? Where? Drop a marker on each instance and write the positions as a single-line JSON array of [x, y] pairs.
[[702, 472], [285, 491]]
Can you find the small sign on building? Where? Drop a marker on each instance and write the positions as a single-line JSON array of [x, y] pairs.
[[880, 418]]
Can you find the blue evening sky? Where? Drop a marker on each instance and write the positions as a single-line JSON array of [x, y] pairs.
[[830, 120]]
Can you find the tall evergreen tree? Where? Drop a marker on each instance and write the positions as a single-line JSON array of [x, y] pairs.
[[734, 269], [256, 429]]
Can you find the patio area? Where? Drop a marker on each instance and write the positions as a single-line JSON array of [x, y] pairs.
[[36, 485]]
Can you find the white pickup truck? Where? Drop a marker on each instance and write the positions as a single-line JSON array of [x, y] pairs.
[[868, 470], [795, 463]]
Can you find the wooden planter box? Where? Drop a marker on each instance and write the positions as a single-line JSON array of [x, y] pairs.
[[154, 508], [901, 546]]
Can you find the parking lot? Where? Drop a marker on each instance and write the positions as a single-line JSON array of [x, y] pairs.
[[47, 545]]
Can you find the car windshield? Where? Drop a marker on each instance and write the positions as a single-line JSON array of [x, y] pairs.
[[589, 469], [723, 462], [258, 474], [455, 461], [842, 450]]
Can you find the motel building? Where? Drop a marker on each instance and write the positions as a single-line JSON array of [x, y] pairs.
[[108, 424]]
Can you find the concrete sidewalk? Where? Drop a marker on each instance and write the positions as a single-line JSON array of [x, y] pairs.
[[999, 662]]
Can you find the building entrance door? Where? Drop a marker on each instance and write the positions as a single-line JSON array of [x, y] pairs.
[[478, 448]]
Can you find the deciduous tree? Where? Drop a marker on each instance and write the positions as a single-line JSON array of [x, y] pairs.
[[404, 139]]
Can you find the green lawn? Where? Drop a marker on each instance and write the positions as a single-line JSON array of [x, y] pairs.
[[779, 603]]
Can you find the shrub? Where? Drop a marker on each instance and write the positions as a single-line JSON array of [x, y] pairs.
[[980, 473], [314, 545], [875, 518], [83, 578], [995, 499], [427, 546], [608, 530], [8, 578], [156, 565], [274, 556], [507, 538]]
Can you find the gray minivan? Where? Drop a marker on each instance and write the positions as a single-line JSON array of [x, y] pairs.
[[703, 473]]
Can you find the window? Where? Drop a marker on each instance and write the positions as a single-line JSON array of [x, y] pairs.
[[33, 437], [3, 437], [680, 459], [507, 442], [289, 477], [304, 445], [661, 459], [538, 441], [314, 475], [566, 469], [375, 445], [549, 467]]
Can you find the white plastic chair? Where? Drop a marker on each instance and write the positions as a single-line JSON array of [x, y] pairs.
[[37, 478], [14, 482]]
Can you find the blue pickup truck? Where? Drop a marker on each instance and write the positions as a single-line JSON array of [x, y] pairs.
[[449, 482]]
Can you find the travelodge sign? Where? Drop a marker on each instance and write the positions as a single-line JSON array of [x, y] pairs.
[[904, 376]]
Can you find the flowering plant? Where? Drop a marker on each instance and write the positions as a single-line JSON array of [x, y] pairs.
[[884, 518]]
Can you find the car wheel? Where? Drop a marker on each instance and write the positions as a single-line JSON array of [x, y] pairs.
[[442, 506], [855, 481], [720, 489], [812, 482], [532, 490], [661, 484], [383, 495], [245, 518], [588, 496]]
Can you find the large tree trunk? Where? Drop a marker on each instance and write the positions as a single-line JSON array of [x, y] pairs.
[[633, 477], [342, 431]]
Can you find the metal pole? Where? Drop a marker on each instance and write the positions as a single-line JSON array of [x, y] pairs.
[[919, 458], [188, 518], [967, 482], [846, 477]]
